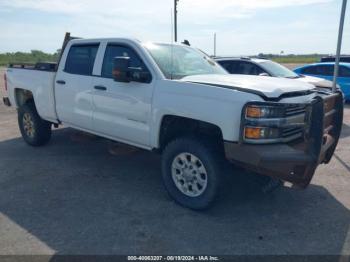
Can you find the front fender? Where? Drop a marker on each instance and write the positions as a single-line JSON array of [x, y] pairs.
[[218, 106]]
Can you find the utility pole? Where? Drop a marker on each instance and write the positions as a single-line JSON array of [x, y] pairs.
[[340, 37], [175, 20], [214, 44]]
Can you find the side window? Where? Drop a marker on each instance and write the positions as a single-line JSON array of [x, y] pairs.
[[259, 70], [234, 67], [115, 50], [322, 70], [246, 68], [226, 65], [326, 70], [81, 59], [312, 70], [344, 71]]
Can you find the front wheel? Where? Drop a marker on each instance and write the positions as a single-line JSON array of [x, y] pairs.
[[191, 172], [35, 131]]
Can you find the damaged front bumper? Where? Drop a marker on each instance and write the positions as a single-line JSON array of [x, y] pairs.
[[297, 160]]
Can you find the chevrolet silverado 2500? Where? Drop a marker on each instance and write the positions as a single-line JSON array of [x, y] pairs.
[[175, 100]]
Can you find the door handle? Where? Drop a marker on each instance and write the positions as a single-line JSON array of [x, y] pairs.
[[61, 82], [102, 88]]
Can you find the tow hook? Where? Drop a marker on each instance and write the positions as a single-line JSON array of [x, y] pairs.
[[6, 101]]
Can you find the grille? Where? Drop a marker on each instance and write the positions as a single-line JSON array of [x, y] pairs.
[[295, 110], [292, 132]]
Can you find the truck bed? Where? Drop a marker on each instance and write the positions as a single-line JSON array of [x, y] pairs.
[[42, 66], [40, 82]]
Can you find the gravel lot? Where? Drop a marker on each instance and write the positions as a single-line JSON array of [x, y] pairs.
[[86, 195]]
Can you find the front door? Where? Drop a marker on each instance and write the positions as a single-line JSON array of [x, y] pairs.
[[122, 111]]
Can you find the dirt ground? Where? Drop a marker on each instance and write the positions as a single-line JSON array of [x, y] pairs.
[[86, 195]]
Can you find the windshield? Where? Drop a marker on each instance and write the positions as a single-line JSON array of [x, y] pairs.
[[177, 61], [278, 70]]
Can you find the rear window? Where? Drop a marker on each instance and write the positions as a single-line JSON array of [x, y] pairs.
[[81, 59]]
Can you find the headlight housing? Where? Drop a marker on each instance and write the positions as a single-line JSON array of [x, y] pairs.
[[265, 122], [255, 111], [251, 132]]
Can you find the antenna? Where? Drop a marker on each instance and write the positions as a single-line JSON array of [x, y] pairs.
[[175, 19], [172, 46], [214, 44], [171, 28]]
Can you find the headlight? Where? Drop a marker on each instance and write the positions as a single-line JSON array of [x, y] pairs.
[[254, 111], [261, 132], [273, 122]]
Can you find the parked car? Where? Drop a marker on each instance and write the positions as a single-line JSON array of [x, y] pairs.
[[265, 67], [174, 100], [343, 58], [326, 71]]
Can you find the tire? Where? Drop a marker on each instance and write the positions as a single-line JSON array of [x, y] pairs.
[[35, 131], [204, 188]]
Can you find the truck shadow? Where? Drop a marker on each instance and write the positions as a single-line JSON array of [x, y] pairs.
[[86, 195]]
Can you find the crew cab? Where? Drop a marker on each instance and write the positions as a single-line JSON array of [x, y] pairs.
[[175, 100]]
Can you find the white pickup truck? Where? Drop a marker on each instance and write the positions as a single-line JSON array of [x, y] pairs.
[[175, 100]]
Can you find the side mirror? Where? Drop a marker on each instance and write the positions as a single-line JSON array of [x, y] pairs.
[[122, 72], [121, 69], [264, 74], [138, 74]]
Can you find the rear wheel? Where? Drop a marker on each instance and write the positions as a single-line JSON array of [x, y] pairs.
[[191, 172], [35, 131]]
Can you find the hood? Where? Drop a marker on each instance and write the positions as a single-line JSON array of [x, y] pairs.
[[266, 86], [316, 81]]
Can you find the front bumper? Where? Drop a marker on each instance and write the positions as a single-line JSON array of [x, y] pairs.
[[6, 101], [296, 161]]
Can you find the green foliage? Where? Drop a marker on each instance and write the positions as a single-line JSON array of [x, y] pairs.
[[22, 57]]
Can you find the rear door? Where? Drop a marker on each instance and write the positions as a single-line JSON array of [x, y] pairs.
[[122, 111], [73, 86]]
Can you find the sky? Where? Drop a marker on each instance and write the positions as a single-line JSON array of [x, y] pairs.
[[243, 27]]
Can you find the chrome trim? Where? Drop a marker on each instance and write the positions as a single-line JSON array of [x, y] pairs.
[[292, 121]]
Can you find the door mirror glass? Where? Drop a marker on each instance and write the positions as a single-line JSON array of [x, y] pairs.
[[121, 69]]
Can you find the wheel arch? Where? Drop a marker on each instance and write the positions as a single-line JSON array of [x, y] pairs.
[[23, 96], [173, 126]]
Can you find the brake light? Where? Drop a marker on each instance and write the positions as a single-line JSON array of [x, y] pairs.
[[5, 80]]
